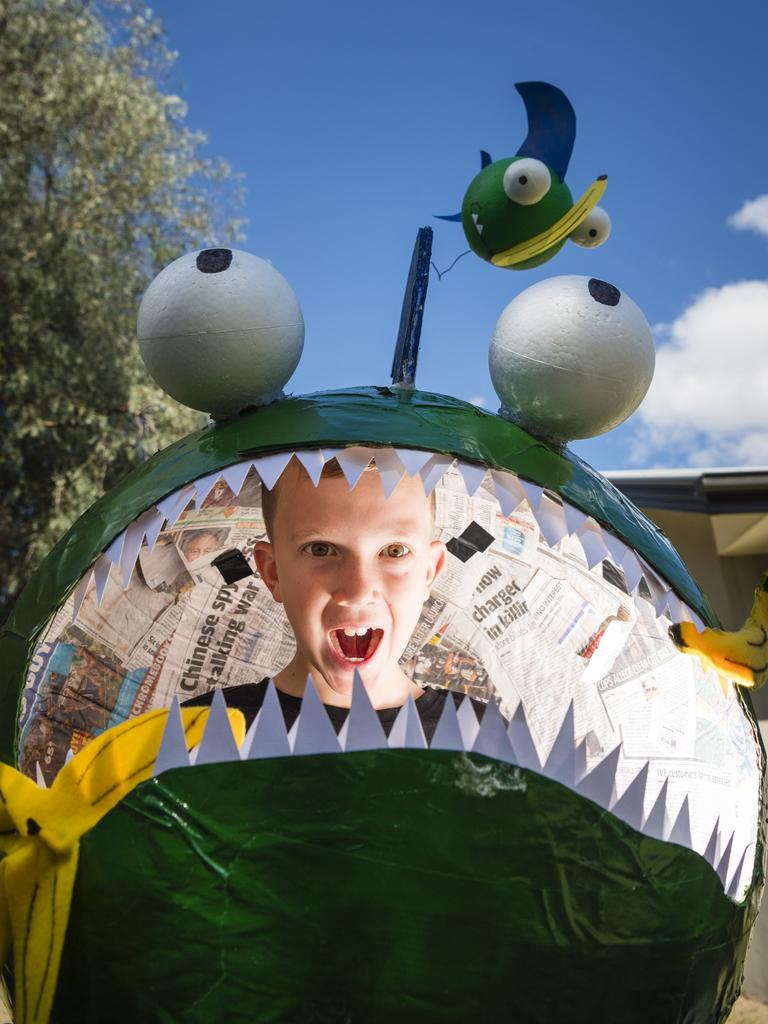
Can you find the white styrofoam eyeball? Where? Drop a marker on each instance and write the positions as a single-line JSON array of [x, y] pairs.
[[571, 357], [220, 330], [526, 181], [593, 230]]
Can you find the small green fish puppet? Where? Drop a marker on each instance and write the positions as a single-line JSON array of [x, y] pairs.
[[518, 212]]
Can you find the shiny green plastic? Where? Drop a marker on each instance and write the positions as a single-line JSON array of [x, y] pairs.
[[375, 416], [416, 886]]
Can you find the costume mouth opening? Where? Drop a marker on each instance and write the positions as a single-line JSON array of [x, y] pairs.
[[356, 644]]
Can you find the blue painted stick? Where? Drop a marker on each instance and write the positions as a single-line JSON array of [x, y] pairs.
[[407, 348]]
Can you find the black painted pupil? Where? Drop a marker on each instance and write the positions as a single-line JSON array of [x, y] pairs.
[[602, 292], [213, 261], [593, 232], [523, 179]]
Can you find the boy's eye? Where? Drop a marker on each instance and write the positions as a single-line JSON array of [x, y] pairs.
[[319, 548], [396, 550]]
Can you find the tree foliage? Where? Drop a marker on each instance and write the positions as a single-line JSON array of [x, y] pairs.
[[101, 184]]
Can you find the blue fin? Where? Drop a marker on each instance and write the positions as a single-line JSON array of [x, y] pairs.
[[455, 217], [551, 125], [485, 158]]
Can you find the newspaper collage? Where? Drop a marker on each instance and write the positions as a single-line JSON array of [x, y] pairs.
[[510, 618]]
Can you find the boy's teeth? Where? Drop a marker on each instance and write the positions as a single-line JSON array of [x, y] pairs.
[[350, 632]]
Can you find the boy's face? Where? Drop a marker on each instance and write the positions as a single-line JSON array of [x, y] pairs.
[[353, 571]]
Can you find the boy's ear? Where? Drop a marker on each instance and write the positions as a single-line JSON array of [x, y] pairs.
[[437, 556], [264, 557]]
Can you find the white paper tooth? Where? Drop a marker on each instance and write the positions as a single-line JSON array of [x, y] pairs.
[[115, 550], [630, 805], [353, 462], [172, 506], [172, 752], [152, 526], [39, 777], [574, 517], [134, 535], [69, 755], [270, 467], [314, 732], [80, 591], [632, 569], [447, 734], [551, 519], [580, 761], [657, 824], [432, 472], [600, 784], [204, 486], [681, 830], [509, 492], [312, 461], [590, 537], [390, 469], [473, 476], [218, 743], [532, 492], [559, 763], [362, 730], [492, 739], [101, 575], [267, 736], [235, 475], [724, 862], [468, 723], [407, 730], [413, 460], [522, 741], [616, 547], [712, 852], [735, 885]]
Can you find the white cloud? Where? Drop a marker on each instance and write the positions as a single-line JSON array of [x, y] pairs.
[[477, 400], [753, 216], [708, 403]]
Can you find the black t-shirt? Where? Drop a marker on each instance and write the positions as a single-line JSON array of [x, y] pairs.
[[249, 696]]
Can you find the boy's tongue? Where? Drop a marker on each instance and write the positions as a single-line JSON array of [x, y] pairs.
[[354, 646]]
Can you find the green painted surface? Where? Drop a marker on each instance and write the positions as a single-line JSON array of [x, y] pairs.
[[413, 886]]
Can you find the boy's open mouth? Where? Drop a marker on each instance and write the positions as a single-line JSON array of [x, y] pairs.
[[356, 644]]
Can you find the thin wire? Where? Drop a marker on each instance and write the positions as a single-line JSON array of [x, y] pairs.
[[441, 275]]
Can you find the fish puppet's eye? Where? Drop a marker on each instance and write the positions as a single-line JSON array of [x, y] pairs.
[[527, 181], [593, 230]]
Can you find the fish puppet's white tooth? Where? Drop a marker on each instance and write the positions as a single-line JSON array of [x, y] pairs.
[[580, 761], [532, 492], [574, 517], [80, 591], [413, 460], [560, 758], [314, 732], [204, 486], [101, 572], [522, 741], [267, 736], [680, 832], [172, 506], [234, 476], [432, 472], [473, 476], [312, 461], [354, 462], [590, 536], [551, 519], [447, 735], [712, 851], [616, 547], [468, 723], [633, 571], [362, 730], [218, 743], [391, 470], [115, 550], [152, 526], [657, 825], [270, 467], [600, 784], [509, 493], [723, 866], [492, 739], [39, 777], [134, 535], [630, 805], [735, 885], [69, 755], [407, 730], [172, 752]]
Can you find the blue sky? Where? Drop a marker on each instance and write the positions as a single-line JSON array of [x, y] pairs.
[[354, 123]]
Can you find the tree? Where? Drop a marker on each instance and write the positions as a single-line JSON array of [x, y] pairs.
[[101, 184]]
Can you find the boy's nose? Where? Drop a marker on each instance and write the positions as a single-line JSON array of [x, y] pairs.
[[356, 584]]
